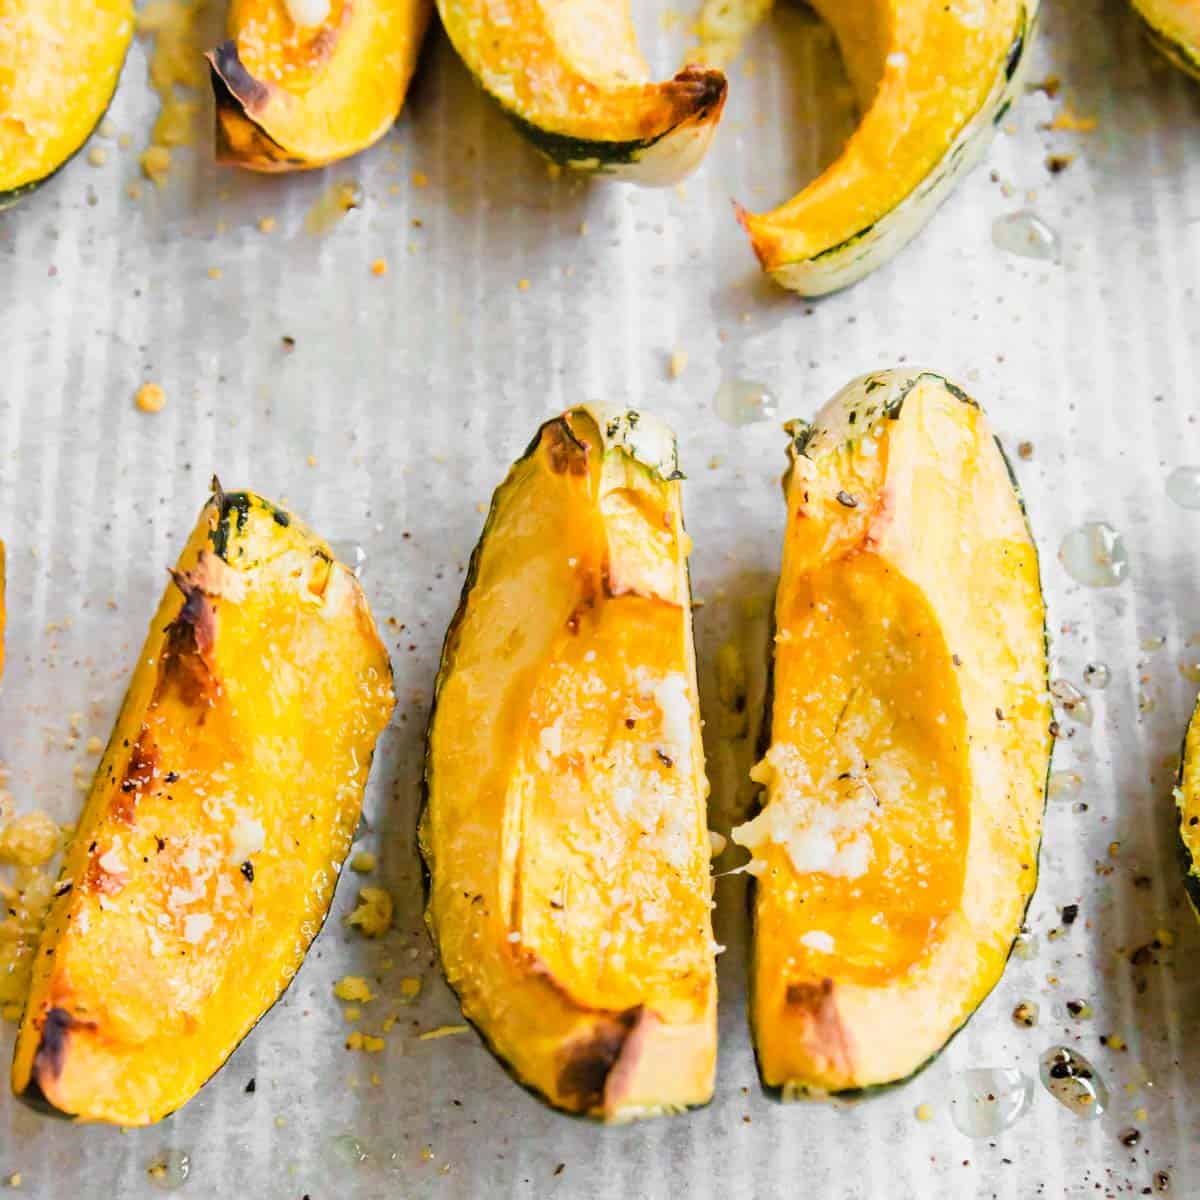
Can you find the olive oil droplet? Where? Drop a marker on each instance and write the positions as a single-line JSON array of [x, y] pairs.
[[744, 402], [1073, 1082], [331, 206], [1095, 555], [1183, 486], [1025, 234], [1097, 675], [170, 1170], [985, 1101]]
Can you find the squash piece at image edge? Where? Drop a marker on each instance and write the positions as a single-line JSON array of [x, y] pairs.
[[303, 83], [564, 827], [60, 61], [209, 846], [933, 80], [909, 739], [1187, 798], [3, 607], [1174, 28], [571, 77]]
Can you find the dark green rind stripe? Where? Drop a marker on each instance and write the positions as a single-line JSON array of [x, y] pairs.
[[775, 1092], [580, 153], [1174, 51]]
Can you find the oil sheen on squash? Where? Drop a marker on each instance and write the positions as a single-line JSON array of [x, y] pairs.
[[59, 65], [932, 79], [564, 829], [909, 739], [1174, 28], [208, 849], [292, 95], [571, 77]]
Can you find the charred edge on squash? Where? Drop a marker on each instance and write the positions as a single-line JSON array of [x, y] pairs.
[[700, 95], [588, 1063], [1191, 882], [49, 1058], [237, 97]]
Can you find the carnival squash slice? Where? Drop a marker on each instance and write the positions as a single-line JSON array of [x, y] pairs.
[[1174, 28], [291, 96], [570, 76], [564, 828], [932, 80], [3, 608], [207, 852], [1187, 799], [909, 739], [59, 65]]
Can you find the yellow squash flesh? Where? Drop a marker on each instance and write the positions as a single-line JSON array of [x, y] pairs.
[[1187, 798], [932, 79], [291, 97], [59, 65], [564, 829], [571, 77], [1174, 28], [909, 739], [208, 850]]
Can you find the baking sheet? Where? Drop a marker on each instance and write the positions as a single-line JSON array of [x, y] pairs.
[[396, 413]]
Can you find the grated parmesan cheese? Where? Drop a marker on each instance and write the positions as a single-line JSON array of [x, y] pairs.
[[195, 926]]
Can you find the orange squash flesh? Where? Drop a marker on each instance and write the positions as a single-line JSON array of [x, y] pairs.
[[290, 97], [909, 740], [565, 828], [210, 844]]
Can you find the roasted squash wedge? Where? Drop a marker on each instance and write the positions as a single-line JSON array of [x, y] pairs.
[[1174, 28], [3, 608], [1187, 798], [909, 739], [303, 83], [932, 79], [564, 827], [208, 850], [570, 76], [59, 65]]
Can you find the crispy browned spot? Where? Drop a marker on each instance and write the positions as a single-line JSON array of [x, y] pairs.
[[826, 1035], [566, 453], [250, 94], [139, 774], [52, 1048], [192, 635], [588, 1061], [698, 93]]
